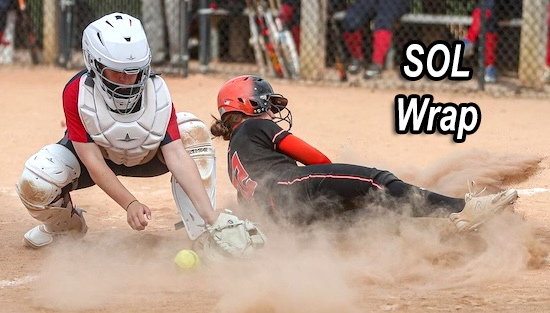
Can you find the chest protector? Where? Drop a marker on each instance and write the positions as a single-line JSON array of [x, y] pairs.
[[129, 139]]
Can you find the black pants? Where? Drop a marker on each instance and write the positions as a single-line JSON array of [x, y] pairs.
[[317, 191], [384, 13], [5, 6]]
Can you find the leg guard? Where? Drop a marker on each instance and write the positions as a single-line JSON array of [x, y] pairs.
[[58, 220], [197, 142], [41, 189], [45, 175]]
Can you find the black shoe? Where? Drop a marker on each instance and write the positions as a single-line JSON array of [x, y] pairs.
[[372, 71], [355, 66]]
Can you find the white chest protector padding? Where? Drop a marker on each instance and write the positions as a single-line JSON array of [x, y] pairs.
[[128, 139]]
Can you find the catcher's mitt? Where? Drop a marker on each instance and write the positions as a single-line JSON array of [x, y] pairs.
[[230, 236]]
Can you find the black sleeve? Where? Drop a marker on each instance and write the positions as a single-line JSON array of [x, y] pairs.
[[266, 132]]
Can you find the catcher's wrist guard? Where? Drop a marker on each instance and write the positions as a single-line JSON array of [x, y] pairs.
[[230, 236]]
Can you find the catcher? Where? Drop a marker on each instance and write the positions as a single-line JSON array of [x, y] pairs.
[[263, 167], [121, 121]]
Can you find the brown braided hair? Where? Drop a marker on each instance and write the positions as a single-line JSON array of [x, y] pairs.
[[224, 127]]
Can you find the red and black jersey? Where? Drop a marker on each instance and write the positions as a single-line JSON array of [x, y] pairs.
[[253, 157], [262, 154]]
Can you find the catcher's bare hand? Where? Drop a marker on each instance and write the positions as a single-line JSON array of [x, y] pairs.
[[137, 215]]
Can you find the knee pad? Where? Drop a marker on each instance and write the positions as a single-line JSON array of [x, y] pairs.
[[45, 174], [197, 142], [193, 131]]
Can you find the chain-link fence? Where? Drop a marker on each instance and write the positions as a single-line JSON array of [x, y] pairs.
[[347, 42]]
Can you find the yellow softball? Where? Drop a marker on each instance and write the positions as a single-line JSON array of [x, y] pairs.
[[186, 259]]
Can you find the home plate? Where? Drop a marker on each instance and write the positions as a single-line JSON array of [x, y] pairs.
[[17, 281], [532, 191]]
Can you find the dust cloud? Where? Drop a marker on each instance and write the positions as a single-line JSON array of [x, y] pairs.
[[329, 269], [325, 267], [494, 171], [106, 268], [322, 269]]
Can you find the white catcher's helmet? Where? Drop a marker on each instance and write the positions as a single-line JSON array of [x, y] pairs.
[[118, 42]]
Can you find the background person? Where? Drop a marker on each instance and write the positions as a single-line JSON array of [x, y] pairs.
[[160, 21], [5, 7], [491, 38], [360, 13]]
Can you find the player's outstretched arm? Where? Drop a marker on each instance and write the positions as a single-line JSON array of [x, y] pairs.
[[229, 236], [186, 173], [301, 151], [90, 154]]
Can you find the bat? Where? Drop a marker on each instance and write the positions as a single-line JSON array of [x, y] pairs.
[[338, 52], [274, 5], [184, 44], [28, 30], [255, 38], [269, 44], [285, 42], [274, 37]]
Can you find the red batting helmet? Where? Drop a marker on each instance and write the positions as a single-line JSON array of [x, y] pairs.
[[252, 95]]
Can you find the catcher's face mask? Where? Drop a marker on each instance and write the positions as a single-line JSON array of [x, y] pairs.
[[125, 93], [117, 42]]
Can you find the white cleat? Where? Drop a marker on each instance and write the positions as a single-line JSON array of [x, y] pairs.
[[479, 209], [39, 236]]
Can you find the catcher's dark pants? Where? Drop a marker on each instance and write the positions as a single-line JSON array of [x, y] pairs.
[[153, 168], [384, 13], [317, 191]]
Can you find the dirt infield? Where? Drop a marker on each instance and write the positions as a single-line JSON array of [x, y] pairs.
[[381, 264]]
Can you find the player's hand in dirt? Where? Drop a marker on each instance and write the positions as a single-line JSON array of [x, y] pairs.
[[137, 215]]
